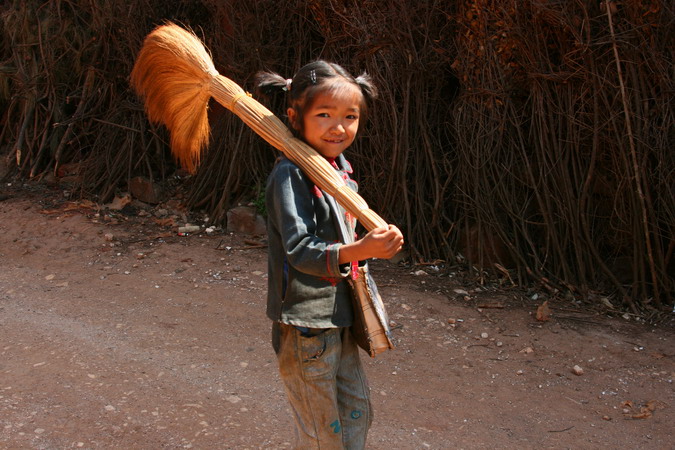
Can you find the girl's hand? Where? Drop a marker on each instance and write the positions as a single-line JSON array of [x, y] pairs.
[[381, 243]]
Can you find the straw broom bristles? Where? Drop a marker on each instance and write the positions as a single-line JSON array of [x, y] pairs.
[[177, 77], [173, 73]]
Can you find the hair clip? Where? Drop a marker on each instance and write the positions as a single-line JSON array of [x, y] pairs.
[[288, 85], [312, 76]]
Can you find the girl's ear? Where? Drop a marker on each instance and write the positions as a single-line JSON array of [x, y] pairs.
[[292, 118]]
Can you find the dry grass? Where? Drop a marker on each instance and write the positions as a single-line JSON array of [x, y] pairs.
[[536, 134]]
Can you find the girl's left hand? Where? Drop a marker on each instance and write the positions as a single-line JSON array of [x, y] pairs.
[[381, 243]]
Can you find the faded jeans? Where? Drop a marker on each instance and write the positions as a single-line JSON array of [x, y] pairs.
[[325, 385]]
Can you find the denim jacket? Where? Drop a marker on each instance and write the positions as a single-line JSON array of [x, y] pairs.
[[306, 285]]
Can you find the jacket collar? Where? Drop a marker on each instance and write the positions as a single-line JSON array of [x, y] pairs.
[[343, 164]]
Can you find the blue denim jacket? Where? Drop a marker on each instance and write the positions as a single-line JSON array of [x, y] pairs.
[[306, 285]]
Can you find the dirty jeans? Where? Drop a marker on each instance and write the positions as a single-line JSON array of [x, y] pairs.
[[325, 385]]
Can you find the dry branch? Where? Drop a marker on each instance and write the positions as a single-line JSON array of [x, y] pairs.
[[507, 132]]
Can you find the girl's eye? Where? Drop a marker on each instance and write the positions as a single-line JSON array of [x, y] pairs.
[[322, 115], [352, 117]]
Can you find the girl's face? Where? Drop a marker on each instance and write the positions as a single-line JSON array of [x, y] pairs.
[[331, 121]]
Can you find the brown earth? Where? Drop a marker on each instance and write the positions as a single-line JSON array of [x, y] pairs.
[[116, 332]]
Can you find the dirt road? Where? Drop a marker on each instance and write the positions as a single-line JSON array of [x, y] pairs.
[[115, 332]]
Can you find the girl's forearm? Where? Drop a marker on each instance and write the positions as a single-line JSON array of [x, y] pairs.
[[351, 252], [378, 243]]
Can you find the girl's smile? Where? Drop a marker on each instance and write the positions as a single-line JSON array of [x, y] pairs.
[[331, 121]]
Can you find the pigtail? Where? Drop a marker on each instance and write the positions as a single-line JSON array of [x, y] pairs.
[[273, 88], [269, 84], [365, 82]]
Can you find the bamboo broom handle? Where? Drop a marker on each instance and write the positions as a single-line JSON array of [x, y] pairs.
[[269, 127]]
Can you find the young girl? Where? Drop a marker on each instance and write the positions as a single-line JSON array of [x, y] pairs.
[[308, 296]]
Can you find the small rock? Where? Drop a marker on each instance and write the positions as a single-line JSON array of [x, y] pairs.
[[189, 229], [520, 372], [245, 219], [527, 350], [543, 312], [119, 203], [484, 335], [452, 321], [68, 170], [110, 408], [144, 190], [109, 237], [400, 257], [576, 370], [420, 273]]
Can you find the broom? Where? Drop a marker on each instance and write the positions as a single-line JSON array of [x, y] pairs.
[[176, 76]]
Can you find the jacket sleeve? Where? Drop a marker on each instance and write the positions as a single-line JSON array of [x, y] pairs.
[[292, 209]]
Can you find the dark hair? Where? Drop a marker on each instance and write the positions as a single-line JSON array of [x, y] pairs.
[[313, 78]]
